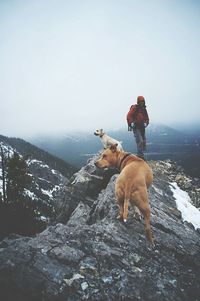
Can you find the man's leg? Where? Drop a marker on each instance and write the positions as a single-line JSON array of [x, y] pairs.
[[139, 142], [144, 138]]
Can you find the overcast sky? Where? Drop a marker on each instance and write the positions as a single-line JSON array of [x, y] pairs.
[[80, 64]]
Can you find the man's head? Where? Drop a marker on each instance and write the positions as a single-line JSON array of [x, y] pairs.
[[141, 100]]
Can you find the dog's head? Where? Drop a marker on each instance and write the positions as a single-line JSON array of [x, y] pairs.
[[99, 132], [109, 157]]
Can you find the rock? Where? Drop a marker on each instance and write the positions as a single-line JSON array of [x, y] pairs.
[[84, 187], [94, 256], [80, 215], [84, 285]]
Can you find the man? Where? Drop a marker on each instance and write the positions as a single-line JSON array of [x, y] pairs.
[[138, 120]]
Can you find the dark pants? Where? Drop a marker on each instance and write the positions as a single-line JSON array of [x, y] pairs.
[[140, 138]]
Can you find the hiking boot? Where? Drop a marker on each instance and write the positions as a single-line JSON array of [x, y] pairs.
[[140, 156]]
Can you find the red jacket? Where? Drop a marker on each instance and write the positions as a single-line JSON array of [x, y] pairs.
[[137, 115]]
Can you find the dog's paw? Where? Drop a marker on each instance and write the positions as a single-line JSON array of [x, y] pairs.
[[151, 247], [120, 218], [137, 216]]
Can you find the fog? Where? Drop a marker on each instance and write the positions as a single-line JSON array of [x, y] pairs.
[[80, 65]]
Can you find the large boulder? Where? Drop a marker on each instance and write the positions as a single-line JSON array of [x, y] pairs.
[[93, 256]]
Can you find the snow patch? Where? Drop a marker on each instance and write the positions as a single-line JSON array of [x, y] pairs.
[[30, 194], [183, 202], [47, 192], [34, 161]]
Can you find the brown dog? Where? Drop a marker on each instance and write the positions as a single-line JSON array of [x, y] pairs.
[[132, 183]]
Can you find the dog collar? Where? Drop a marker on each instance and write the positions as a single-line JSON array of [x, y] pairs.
[[127, 154]]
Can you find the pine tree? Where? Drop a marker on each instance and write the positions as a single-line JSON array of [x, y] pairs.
[[3, 175], [17, 178], [19, 213]]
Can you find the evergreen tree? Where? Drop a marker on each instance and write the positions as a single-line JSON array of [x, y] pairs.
[[3, 174], [17, 178], [19, 213]]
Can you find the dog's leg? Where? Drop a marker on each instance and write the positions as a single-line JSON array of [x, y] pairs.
[[145, 209], [121, 211], [137, 213], [141, 201], [120, 201], [125, 214]]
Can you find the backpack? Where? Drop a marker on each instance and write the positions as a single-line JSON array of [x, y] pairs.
[[137, 116], [131, 114]]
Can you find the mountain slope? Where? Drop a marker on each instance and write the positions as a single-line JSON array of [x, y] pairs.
[[90, 255], [163, 142], [48, 173], [31, 151]]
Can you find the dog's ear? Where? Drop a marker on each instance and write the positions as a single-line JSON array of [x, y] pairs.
[[113, 147]]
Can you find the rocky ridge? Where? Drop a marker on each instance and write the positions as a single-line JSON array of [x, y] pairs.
[[87, 254]]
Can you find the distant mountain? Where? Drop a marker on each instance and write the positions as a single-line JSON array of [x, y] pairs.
[[163, 142], [48, 173]]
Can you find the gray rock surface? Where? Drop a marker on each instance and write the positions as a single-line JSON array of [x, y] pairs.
[[93, 256]]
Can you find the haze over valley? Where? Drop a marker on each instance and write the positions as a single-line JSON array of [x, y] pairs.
[[163, 142]]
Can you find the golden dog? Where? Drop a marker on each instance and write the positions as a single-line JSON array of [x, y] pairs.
[[132, 183]]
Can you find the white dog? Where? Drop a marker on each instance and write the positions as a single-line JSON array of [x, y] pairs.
[[106, 140]]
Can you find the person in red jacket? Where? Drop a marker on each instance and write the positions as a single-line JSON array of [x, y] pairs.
[[138, 120]]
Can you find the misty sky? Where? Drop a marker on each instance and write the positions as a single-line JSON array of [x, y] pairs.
[[80, 64]]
